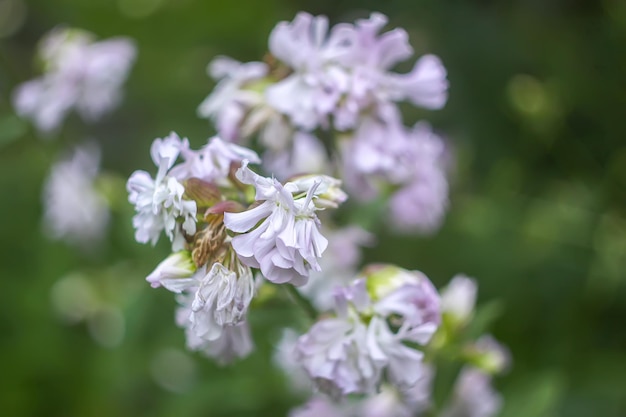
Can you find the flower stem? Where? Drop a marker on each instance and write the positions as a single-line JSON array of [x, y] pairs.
[[301, 301]]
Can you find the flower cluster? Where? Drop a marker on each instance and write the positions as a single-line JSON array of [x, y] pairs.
[[378, 335], [376, 317], [386, 324], [79, 73], [223, 220], [339, 82]]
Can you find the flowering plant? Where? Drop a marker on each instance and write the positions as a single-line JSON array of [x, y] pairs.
[[323, 111], [322, 107]]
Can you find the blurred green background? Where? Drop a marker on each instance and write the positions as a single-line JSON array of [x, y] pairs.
[[537, 117]]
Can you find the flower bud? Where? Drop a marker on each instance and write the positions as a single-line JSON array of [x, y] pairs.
[[327, 195], [174, 273]]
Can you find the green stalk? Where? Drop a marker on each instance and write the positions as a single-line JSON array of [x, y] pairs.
[[301, 301]]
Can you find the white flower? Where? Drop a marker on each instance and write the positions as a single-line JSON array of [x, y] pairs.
[[230, 100], [238, 106], [350, 352], [403, 364], [422, 201], [425, 85], [341, 356], [79, 73], [281, 235], [489, 355], [458, 298], [234, 341], [212, 162], [174, 273], [380, 150], [73, 209], [213, 307], [222, 298], [313, 90], [387, 155], [159, 202], [326, 189], [371, 83]]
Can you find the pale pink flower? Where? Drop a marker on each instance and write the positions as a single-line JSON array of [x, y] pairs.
[[281, 235], [313, 90]]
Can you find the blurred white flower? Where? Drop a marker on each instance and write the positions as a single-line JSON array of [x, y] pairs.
[[233, 342], [473, 396], [79, 73], [312, 91], [285, 358], [73, 208], [458, 298], [372, 86]]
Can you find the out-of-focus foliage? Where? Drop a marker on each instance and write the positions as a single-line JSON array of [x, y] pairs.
[[535, 122]]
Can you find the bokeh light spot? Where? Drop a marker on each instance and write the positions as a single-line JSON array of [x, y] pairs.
[[527, 94], [12, 16], [107, 326], [173, 370], [73, 298]]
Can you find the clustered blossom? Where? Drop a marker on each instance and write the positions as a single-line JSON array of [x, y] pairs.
[[375, 316], [213, 303], [341, 74], [159, 202], [367, 346], [409, 163], [340, 80], [223, 219], [324, 101], [74, 210], [79, 73]]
